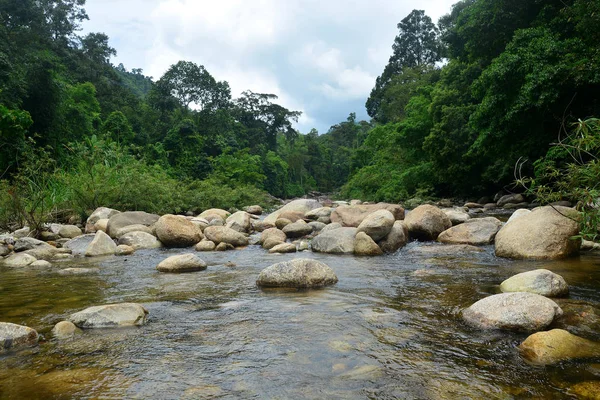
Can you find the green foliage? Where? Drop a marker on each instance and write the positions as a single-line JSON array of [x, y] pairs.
[[240, 168], [13, 129], [117, 128]]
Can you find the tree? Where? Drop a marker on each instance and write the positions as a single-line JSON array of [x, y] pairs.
[[417, 45], [117, 127]]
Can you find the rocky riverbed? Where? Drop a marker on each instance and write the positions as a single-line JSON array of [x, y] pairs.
[[384, 326]]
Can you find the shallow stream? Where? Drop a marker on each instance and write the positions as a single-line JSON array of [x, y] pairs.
[[389, 329]]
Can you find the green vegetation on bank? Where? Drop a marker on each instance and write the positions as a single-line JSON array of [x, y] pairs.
[[460, 103]]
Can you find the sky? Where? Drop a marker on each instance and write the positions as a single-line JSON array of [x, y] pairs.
[[320, 57]]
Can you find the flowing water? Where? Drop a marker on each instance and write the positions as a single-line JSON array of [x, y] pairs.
[[390, 328]]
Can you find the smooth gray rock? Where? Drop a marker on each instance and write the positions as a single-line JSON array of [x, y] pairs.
[[110, 316], [140, 240], [525, 312], [297, 229], [15, 336], [477, 231], [124, 219], [79, 245], [337, 241], [182, 263], [102, 245], [298, 273], [18, 260], [240, 221], [206, 245], [540, 281], [97, 215]]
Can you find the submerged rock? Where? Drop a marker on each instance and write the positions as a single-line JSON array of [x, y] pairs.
[[177, 231], [182, 263], [102, 245], [557, 345], [540, 281], [544, 233], [110, 316], [525, 312], [478, 231], [337, 241], [298, 273], [14, 336], [64, 330], [427, 222], [589, 390], [40, 264], [364, 245]]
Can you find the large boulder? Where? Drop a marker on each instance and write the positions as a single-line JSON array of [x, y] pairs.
[[182, 263], [18, 260], [526, 312], [127, 218], [140, 240], [297, 229], [222, 234], [240, 221], [518, 213], [14, 336], [477, 231], [377, 224], [110, 316], [102, 245], [364, 245], [545, 233], [540, 281], [337, 241], [545, 348], [353, 216], [272, 237], [298, 273], [396, 239], [426, 222], [177, 231], [300, 205], [97, 215]]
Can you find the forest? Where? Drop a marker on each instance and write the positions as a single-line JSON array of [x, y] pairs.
[[499, 94]]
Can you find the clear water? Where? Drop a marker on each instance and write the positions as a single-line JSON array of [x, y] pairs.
[[389, 329]]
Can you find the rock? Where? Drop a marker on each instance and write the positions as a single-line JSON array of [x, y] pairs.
[[201, 223], [445, 203], [588, 245], [352, 216], [78, 271], [457, 216], [102, 245], [321, 212], [21, 233], [355, 202], [140, 240], [69, 231], [298, 273], [514, 206], [254, 210], [222, 234], [489, 206], [293, 216], [239, 221], [282, 223], [510, 199], [297, 229], [303, 245], [545, 233], [121, 220], [396, 239], [48, 236], [539, 281], [301, 205], [15, 336], [525, 312], [98, 214], [110, 316], [64, 330], [18, 260], [331, 227], [478, 231], [124, 250], [337, 241], [589, 390], [283, 248], [364, 245], [518, 213], [177, 231], [27, 243], [205, 245], [377, 224], [79, 245], [317, 226], [118, 233], [100, 225], [426, 222], [224, 247], [215, 220], [4, 250], [44, 251], [545, 348], [473, 205], [272, 237], [182, 263], [40, 264], [260, 226], [210, 213]]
